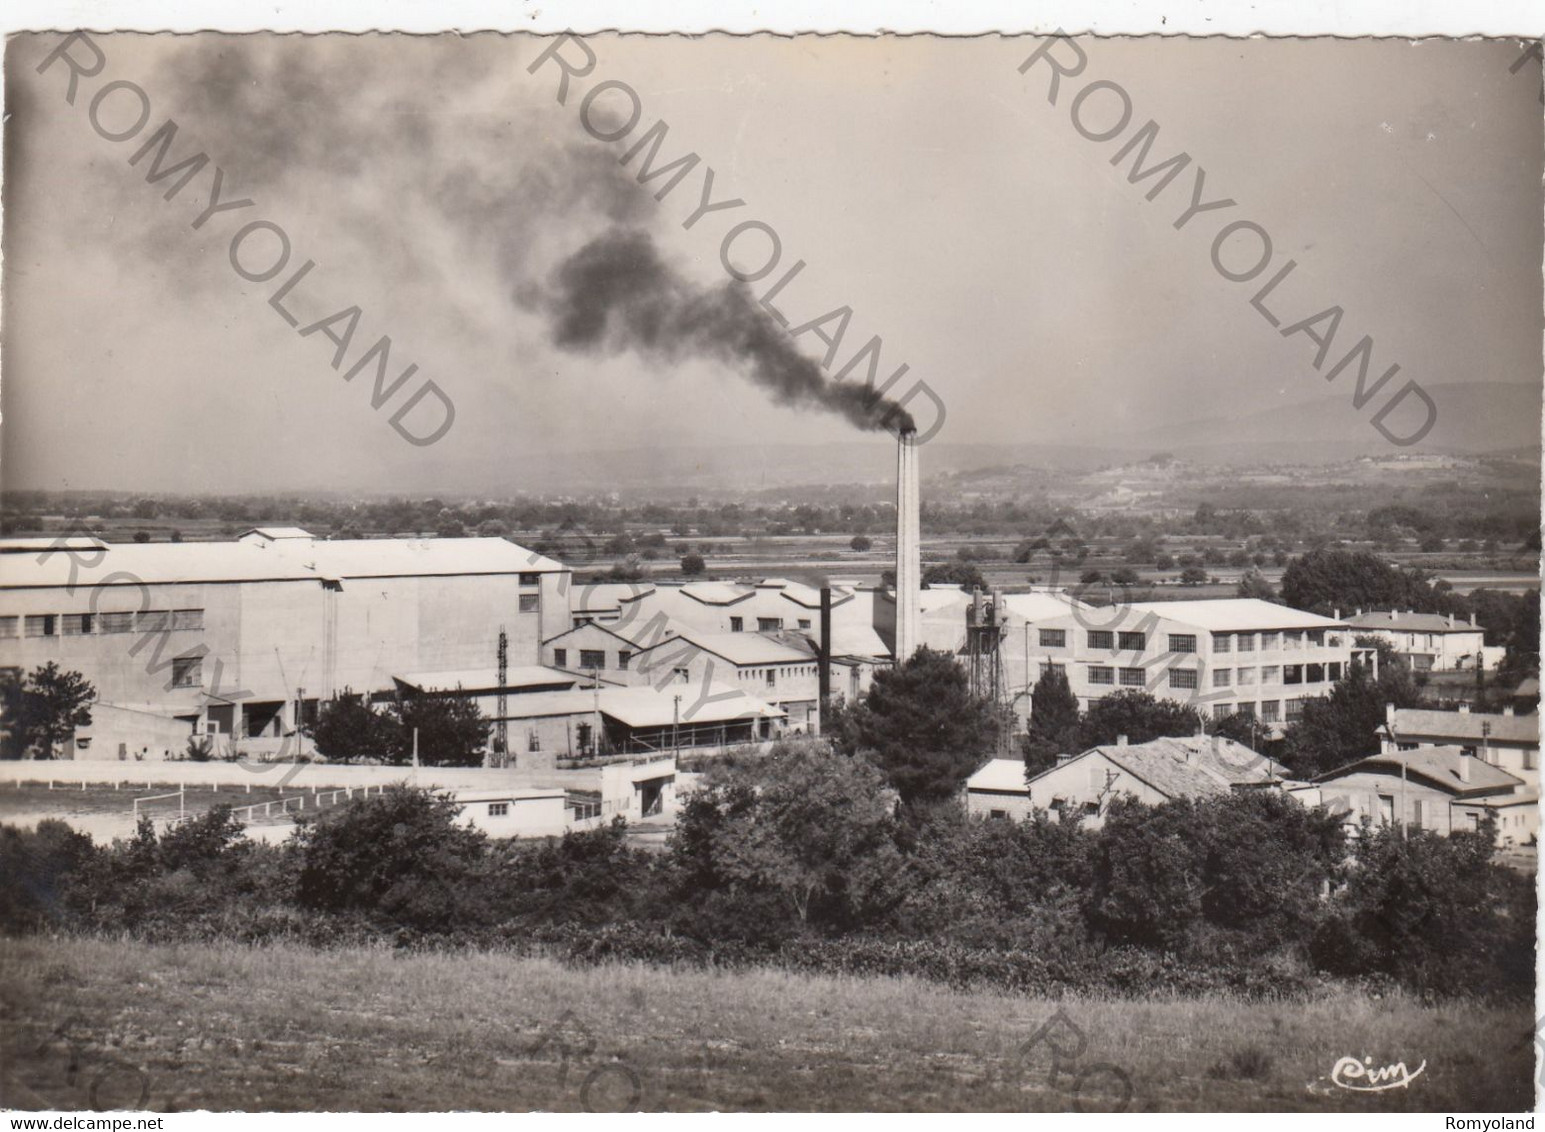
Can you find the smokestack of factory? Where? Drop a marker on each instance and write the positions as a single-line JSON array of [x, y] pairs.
[[908, 546]]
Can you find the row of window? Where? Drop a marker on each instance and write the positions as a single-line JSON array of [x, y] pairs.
[[1109, 675], [1271, 711], [764, 624], [1289, 639], [90, 624], [593, 658], [1185, 642], [1277, 674]]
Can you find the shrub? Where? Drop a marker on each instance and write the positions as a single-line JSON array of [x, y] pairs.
[[400, 857]]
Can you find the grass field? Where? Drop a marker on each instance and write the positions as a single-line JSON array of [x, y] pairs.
[[95, 1023]]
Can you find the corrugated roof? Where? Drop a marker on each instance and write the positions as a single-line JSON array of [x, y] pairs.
[[484, 679], [278, 532], [739, 648], [1411, 622], [1235, 614], [1467, 725], [1439, 765], [717, 593], [168, 563], [47, 542], [644, 706]]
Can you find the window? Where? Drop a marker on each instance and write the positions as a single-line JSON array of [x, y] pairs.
[[1315, 674], [1292, 674], [40, 625], [1092, 809], [772, 677], [1387, 809], [1132, 678], [1054, 638], [533, 740], [1295, 709], [1271, 710], [153, 620], [1133, 642], [998, 815], [1100, 674], [1184, 642], [737, 624], [1247, 642], [768, 624], [1269, 641], [115, 622], [187, 619], [804, 622], [1102, 639], [75, 624], [1246, 710], [561, 657], [1222, 711], [1222, 642], [1182, 677], [1293, 639], [187, 671], [592, 658], [1047, 668], [530, 579], [530, 603], [1222, 677], [1271, 674], [623, 658], [1333, 670], [681, 675], [1316, 638], [1416, 813], [498, 809], [10, 627], [1246, 677]]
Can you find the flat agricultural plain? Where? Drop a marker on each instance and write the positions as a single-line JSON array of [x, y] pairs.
[[93, 1023]]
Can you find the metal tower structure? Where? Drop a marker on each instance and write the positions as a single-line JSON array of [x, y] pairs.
[[985, 618]]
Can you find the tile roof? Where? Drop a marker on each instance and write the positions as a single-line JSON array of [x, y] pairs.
[[1439, 765], [1467, 725], [1411, 622], [1194, 765]]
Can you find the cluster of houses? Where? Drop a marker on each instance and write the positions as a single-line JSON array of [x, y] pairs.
[[241, 643], [1426, 770]]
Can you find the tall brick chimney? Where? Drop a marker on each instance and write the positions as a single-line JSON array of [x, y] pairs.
[[908, 546]]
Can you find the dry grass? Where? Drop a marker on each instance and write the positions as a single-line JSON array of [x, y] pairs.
[[232, 1027]]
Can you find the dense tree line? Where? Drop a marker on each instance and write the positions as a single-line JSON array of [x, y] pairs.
[[797, 859]]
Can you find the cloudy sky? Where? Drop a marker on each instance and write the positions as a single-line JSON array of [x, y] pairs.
[[927, 185]]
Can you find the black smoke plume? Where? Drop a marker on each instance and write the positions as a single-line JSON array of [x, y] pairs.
[[617, 294]]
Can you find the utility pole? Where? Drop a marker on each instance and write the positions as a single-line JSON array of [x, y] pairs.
[[502, 727], [595, 687], [676, 722]]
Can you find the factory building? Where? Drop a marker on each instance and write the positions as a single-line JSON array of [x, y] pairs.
[[242, 639]]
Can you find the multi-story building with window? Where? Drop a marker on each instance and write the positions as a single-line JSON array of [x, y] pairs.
[[1224, 656]]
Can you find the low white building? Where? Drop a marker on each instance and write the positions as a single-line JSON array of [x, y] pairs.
[[1429, 642]]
